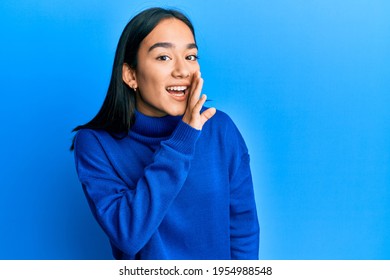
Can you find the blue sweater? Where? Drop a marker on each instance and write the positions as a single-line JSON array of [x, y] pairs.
[[168, 191]]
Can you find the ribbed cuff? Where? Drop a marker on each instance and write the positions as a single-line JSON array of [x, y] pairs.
[[184, 138]]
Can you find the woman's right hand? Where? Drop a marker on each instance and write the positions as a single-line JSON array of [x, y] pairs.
[[192, 115]]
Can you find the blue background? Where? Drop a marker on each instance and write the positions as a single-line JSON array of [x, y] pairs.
[[307, 83]]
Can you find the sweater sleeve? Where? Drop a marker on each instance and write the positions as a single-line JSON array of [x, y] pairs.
[[244, 227], [131, 214]]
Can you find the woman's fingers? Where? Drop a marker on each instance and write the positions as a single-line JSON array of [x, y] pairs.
[[198, 105], [196, 88], [208, 114], [192, 115]]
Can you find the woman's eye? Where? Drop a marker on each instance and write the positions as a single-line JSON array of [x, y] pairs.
[[163, 57], [192, 57]]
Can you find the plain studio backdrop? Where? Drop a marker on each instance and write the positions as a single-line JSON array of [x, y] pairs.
[[306, 82]]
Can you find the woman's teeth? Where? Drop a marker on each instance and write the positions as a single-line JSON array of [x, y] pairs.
[[177, 90]]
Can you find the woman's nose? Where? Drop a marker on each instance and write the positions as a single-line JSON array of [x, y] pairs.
[[181, 69]]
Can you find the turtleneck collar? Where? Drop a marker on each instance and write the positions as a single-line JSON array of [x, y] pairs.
[[156, 127]]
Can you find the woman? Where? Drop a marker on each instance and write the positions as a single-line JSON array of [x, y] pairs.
[[165, 177]]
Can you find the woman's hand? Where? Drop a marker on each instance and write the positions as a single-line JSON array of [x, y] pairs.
[[192, 115]]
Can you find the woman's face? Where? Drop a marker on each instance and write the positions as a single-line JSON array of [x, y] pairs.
[[167, 60]]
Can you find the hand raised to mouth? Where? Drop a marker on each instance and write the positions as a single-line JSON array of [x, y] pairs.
[[192, 115]]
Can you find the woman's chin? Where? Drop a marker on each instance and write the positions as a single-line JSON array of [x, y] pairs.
[[176, 112]]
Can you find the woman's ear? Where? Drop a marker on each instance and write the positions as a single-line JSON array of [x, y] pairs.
[[129, 77]]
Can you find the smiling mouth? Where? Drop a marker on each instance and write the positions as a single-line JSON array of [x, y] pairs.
[[177, 90]]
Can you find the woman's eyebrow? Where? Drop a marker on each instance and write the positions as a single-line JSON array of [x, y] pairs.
[[168, 45]]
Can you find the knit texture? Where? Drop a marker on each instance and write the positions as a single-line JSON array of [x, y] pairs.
[[169, 191]]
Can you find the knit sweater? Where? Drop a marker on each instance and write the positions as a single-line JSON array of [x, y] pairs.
[[168, 191]]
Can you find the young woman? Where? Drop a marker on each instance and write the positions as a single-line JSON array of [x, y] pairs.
[[165, 177]]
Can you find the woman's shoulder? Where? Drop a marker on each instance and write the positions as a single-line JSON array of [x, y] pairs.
[[221, 120], [88, 137], [88, 134], [221, 123]]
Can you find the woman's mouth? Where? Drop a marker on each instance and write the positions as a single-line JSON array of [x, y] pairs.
[[177, 91]]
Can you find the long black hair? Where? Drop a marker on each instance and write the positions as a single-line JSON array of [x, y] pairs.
[[117, 112]]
